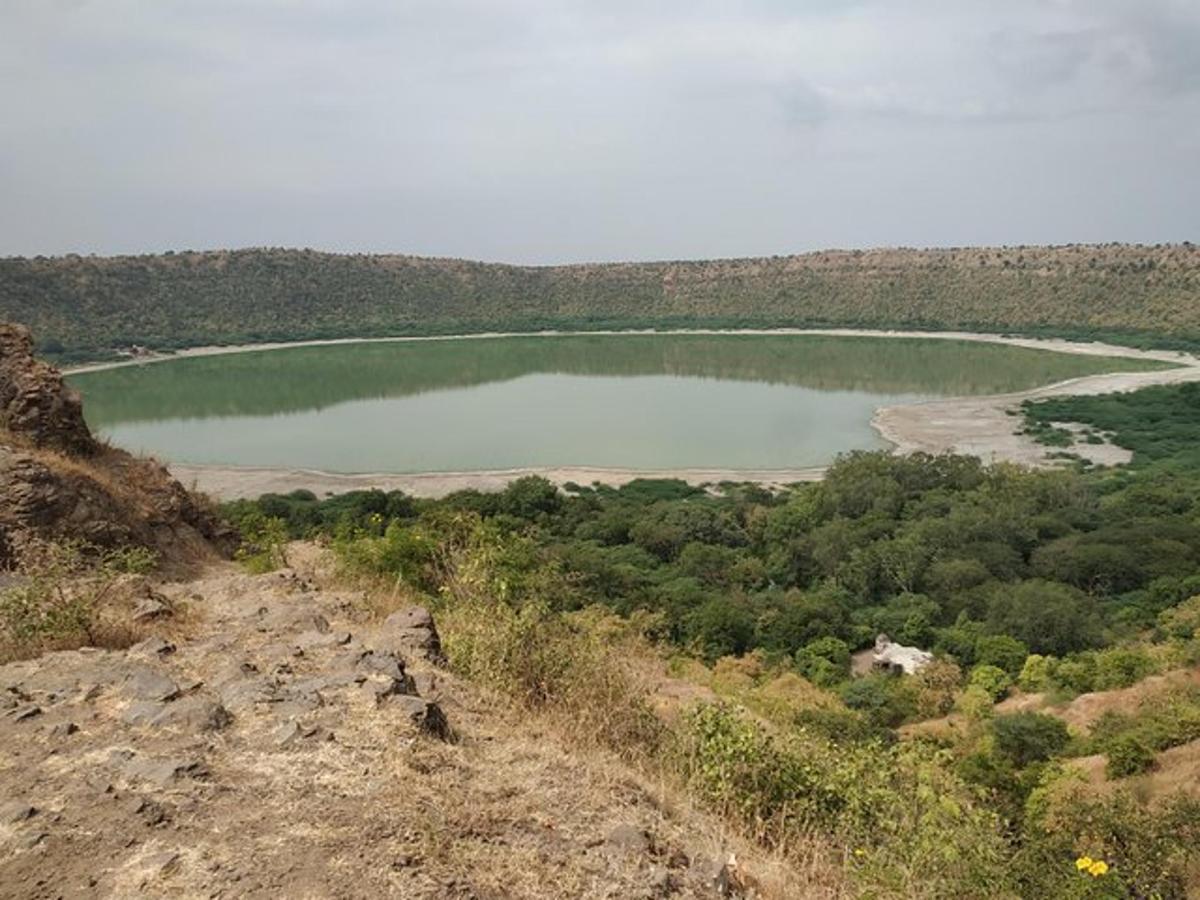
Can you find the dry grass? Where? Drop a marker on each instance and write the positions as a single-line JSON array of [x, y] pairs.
[[63, 598], [567, 725]]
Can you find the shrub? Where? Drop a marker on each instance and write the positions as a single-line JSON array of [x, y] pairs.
[[264, 542], [825, 661], [1029, 737], [918, 829], [1128, 755], [937, 685], [1120, 667], [885, 700], [1183, 621], [1149, 852], [1036, 673], [61, 597], [1002, 651], [992, 680], [975, 703], [561, 666]]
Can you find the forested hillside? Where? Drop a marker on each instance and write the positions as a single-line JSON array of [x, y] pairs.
[[1047, 750], [83, 306]]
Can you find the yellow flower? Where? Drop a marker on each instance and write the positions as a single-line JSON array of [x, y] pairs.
[[1098, 868], [1083, 863], [859, 851]]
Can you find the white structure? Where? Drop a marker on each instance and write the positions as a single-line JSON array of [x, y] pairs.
[[896, 658]]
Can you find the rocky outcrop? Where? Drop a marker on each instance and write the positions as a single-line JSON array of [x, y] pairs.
[[58, 482], [268, 706], [35, 404]]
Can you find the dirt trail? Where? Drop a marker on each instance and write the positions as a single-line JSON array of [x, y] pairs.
[[289, 748]]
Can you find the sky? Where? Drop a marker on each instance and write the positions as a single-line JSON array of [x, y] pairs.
[[535, 131]]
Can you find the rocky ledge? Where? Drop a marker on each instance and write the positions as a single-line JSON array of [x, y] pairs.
[[57, 482], [255, 713]]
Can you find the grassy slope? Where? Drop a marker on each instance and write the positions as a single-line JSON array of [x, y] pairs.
[[86, 304]]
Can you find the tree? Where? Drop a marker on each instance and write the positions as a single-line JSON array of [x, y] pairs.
[[1029, 737], [825, 661], [1047, 617], [528, 497], [1036, 673], [992, 680], [721, 628], [1003, 651]]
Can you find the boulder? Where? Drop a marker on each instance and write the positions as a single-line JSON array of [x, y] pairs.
[[411, 633]]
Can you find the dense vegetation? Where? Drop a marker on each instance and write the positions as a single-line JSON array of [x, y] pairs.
[[85, 306], [1156, 423], [1058, 582]]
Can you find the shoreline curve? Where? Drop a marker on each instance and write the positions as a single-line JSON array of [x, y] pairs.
[[981, 426]]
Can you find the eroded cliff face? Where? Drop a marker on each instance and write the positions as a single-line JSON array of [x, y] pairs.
[[57, 482], [35, 405]]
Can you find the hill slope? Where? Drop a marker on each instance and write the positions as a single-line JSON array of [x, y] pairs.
[[83, 305], [275, 748]]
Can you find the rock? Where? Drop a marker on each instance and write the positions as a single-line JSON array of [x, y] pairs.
[[163, 772], [22, 713], [382, 663], [312, 640], [152, 647], [300, 698], [83, 490], [141, 713], [16, 811], [193, 714], [424, 714], [289, 733], [713, 875], [152, 607], [247, 693], [160, 865], [628, 839], [149, 811], [411, 632], [30, 839], [146, 684], [35, 403], [383, 687], [62, 730], [425, 683]]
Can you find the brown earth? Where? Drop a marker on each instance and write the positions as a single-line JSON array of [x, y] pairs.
[[285, 745]]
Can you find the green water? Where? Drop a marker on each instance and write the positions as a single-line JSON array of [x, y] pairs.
[[636, 401]]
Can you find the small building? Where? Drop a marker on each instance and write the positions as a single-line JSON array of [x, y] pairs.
[[897, 659]]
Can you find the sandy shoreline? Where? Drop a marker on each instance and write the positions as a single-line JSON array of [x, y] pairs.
[[974, 425], [233, 482]]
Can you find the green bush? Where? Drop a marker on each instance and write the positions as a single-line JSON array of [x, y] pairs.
[[825, 661], [1002, 651], [1128, 755], [992, 680], [1029, 737], [1036, 673], [264, 542], [886, 700], [918, 830]]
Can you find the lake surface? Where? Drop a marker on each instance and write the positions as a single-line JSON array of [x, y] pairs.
[[626, 401]]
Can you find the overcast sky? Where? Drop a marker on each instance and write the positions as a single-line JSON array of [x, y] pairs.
[[540, 131]]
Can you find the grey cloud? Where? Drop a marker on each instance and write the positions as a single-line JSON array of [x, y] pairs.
[[536, 130]]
